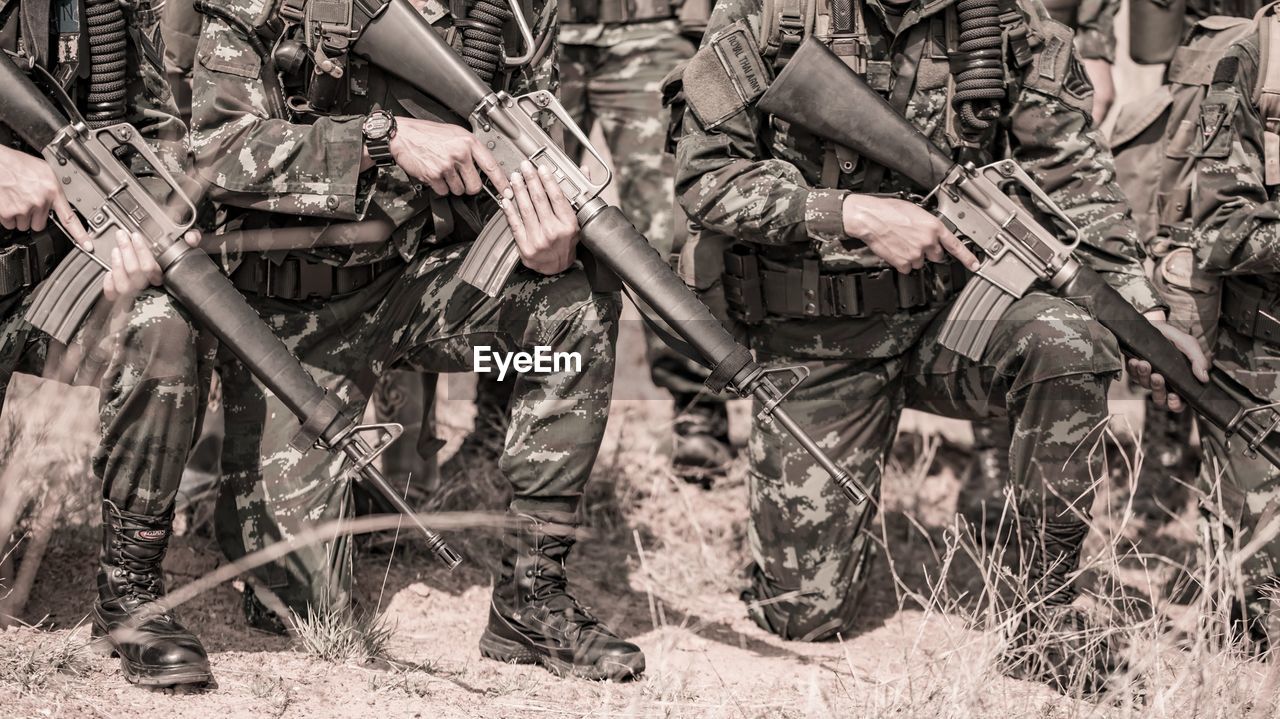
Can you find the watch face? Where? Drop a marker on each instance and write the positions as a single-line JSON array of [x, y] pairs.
[[377, 126]]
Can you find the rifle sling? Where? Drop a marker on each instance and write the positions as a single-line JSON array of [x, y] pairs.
[[905, 65]]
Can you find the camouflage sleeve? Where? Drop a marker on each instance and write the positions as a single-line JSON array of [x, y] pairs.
[[153, 111], [1096, 29], [1053, 139], [724, 177], [1237, 225], [250, 158]]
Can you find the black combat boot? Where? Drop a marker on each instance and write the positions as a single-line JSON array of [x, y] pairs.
[[700, 449], [154, 649], [1054, 641], [534, 620]]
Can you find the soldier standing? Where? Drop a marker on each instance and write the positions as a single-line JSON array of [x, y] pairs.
[[1236, 213], [809, 215], [153, 372], [322, 146], [614, 57]]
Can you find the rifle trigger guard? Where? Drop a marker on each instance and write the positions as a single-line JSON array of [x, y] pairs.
[[387, 434], [798, 373]]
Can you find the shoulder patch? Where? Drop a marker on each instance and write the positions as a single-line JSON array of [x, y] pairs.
[[1227, 70], [740, 58], [1077, 83], [1056, 70], [725, 76]]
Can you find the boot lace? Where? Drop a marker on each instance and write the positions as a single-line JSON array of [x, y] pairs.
[[550, 588]]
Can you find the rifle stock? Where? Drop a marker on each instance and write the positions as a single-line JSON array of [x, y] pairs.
[[819, 93]]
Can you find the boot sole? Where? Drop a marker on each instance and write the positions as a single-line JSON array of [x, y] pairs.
[[101, 645], [507, 651]]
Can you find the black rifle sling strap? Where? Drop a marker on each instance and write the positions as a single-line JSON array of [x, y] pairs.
[[905, 64]]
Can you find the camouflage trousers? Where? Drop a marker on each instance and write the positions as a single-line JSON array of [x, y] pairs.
[[616, 81], [424, 318], [1047, 369], [1241, 493], [152, 369]]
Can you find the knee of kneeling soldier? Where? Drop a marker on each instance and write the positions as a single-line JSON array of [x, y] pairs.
[[1062, 339]]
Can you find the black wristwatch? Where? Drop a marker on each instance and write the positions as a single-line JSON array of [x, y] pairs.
[[378, 129]]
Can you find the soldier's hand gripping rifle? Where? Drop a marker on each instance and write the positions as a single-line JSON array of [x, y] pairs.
[[819, 93], [107, 194], [396, 38]]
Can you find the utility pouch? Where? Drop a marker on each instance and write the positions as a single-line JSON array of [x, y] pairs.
[[743, 290]]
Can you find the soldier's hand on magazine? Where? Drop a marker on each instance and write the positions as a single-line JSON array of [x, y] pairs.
[[542, 221]]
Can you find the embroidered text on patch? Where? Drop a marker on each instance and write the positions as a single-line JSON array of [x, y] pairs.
[[741, 60]]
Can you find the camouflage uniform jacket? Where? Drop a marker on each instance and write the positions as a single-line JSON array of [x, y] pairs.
[[1094, 22], [1236, 215], [253, 158], [752, 177]]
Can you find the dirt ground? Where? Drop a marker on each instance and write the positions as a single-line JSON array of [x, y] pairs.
[[663, 567]]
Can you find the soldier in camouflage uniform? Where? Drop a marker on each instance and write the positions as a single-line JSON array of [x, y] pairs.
[[353, 313], [803, 221], [139, 349], [614, 57], [1236, 211]]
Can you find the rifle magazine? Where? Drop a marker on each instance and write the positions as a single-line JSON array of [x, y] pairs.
[[973, 318], [62, 302]]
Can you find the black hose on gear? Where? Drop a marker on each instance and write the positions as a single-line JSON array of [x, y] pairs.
[[107, 61], [482, 37], [979, 65]]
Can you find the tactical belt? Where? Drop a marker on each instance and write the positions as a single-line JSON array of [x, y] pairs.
[[614, 11], [756, 288], [1251, 311], [25, 265], [299, 279]]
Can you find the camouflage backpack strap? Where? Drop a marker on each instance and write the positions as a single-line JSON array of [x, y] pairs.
[[1266, 94], [783, 25]]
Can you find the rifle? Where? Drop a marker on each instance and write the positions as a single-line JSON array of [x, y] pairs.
[[395, 37], [816, 91], [106, 193]]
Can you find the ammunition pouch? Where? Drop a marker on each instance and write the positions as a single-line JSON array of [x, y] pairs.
[[1251, 311], [298, 279], [756, 288], [612, 12], [25, 265]]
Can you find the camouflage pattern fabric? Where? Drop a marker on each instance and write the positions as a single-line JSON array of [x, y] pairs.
[[750, 176], [1238, 237], [419, 317], [612, 75], [1048, 367]]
